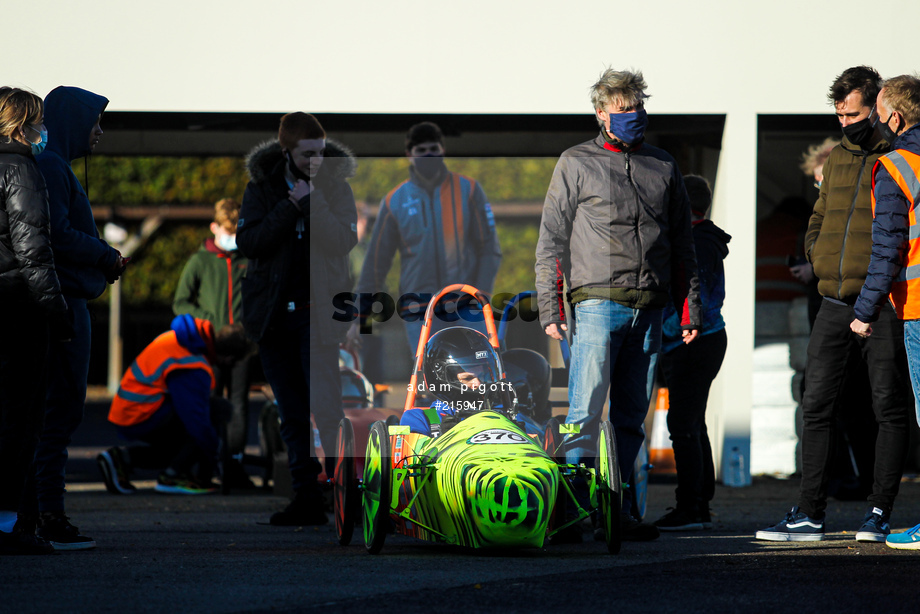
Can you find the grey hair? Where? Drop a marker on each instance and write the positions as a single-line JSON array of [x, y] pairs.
[[622, 86]]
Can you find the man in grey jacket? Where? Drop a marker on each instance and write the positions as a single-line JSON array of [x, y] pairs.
[[616, 230]]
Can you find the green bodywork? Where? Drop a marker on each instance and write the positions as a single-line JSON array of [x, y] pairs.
[[483, 483]]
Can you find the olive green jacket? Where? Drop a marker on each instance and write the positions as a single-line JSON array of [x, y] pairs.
[[838, 242]]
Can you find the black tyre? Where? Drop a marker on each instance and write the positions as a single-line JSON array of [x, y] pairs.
[[638, 483], [345, 483], [609, 487], [378, 466]]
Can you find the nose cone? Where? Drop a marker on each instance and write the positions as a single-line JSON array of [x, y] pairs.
[[510, 502]]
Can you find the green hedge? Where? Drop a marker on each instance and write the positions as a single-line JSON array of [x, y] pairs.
[[154, 272]]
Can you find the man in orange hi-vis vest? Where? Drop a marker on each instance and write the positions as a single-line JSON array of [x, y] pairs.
[[165, 401], [894, 271]]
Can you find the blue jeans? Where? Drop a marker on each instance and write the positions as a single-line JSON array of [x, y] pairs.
[[68, 365], [613, 346], [912, 345]]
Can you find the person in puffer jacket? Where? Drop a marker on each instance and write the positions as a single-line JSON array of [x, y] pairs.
[[297, 224], [30, 298], [616, 230], [839, 244]]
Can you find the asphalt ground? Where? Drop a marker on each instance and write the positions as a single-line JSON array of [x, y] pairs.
[[214, 553]]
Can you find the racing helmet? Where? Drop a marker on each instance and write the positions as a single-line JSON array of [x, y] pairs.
[[461, 365]]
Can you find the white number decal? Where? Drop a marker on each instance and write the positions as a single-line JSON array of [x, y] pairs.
[[496, 436]]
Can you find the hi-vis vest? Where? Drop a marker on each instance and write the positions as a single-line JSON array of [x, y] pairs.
[[143, 388], [904, 168]]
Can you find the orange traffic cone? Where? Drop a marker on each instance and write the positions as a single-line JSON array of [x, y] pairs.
[[661, 454]]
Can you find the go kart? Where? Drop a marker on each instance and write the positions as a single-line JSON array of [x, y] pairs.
[[482, 483]]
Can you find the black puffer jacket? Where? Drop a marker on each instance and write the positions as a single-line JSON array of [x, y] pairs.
[[266, 236], [26, 262]]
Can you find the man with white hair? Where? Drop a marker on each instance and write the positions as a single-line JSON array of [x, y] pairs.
[[616, 230]]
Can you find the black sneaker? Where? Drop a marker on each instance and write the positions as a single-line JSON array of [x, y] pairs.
[[874, 527], [234, 475], [55, 528], [21, 542], [115, 472], [679, 520], [706, 517], [302, 511], [633, 530], [795, 527]]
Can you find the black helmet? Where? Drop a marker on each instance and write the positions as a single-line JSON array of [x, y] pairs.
[[461, 365]]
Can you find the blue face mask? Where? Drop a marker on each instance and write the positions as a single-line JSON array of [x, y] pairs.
[[628, 127], [39, 147], [226, 242]]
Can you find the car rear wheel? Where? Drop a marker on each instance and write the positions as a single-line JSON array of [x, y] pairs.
[[345, 483], [609, 487], [378, 466]]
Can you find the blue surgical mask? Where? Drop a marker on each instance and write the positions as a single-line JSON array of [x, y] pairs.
[[39, 147], [628, 127], [226, 242]]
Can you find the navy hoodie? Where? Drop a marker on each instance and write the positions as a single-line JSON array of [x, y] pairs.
[[190, 389], [81, 258]]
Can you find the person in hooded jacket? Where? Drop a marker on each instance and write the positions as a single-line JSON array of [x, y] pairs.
[[689, 370], [84, 263], [297, 225], [165, 400], [30, 297]]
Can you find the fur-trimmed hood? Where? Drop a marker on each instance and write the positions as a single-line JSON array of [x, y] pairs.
[[266, 158]]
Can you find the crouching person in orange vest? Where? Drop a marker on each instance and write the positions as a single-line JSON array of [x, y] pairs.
[[165, 401]]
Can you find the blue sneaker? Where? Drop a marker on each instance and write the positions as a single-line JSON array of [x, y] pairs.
[[908, 540], [795, 527], [874, 527]]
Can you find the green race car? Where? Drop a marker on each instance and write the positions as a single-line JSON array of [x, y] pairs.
[[483, 483]]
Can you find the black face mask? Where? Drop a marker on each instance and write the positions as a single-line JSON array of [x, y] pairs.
[[885, 130], [298, 174], [859, 133], [429, 166]]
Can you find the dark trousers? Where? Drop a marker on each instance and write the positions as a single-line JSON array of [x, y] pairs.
[[23, 368], [235, 379], [169, 444], [304, 375], [831, 346], [689, 371], [68, 365]]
